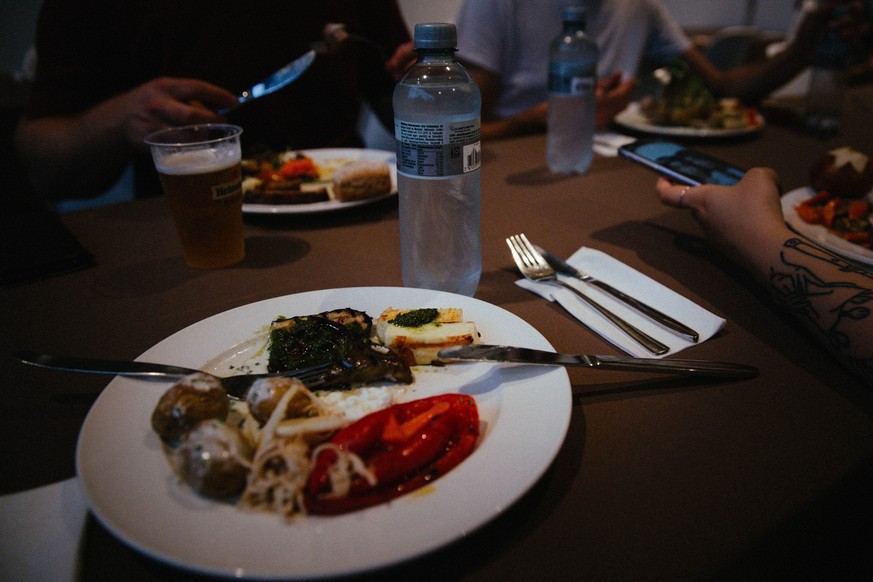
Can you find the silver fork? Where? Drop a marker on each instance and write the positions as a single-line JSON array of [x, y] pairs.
[[534, 267], [236, 386]]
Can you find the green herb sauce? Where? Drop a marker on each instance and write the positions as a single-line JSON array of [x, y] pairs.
[[416, 317]]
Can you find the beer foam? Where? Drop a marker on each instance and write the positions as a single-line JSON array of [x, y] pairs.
[[198, 161]]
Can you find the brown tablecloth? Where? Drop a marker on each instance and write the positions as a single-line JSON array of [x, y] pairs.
[[658, 479]]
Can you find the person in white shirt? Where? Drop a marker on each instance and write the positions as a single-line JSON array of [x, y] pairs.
[[505, 46]]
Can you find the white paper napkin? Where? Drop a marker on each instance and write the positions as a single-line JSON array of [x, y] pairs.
[[609, 270], [40, 531], [606, 143]]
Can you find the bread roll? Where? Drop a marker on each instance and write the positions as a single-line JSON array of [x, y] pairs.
[[362, 179], [844, 172]]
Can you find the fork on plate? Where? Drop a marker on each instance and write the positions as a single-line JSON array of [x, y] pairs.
[[534, 267]]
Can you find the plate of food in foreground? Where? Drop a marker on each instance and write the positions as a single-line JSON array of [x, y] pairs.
[[131, 476], [836, 210], [319, 180]]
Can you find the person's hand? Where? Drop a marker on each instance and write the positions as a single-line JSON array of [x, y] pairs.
[[403, 58], [612, 96], [743, 219], [168, 102]]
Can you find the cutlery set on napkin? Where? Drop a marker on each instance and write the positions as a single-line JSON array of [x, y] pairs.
[[605, 295]]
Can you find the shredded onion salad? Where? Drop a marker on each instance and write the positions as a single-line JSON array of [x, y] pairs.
[[282, 462], [290, 451]]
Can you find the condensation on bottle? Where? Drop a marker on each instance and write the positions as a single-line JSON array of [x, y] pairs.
[[572, 82], [437, 108]]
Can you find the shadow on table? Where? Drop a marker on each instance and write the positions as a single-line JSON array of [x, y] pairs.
[[541, 175], [827, 538], [373, 212], [153, 276]]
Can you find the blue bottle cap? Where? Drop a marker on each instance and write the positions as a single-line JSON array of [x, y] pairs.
[[436, 35], [573, 14]]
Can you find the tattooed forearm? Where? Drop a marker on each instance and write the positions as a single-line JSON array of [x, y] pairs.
[[830, 295]]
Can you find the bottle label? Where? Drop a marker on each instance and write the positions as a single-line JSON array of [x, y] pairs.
[[438, 150], [575, 86]]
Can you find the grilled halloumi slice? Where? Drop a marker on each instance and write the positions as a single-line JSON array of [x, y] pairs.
[[419, 345]]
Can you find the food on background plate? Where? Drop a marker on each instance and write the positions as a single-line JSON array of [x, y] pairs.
[[282, 179], [843, 172], [290, 450], [295, 178], [849, 219], [418, 334], [842, 180], [360, 180], [684, 100]]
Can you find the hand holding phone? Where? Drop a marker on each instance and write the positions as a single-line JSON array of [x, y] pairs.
[[681, 164]]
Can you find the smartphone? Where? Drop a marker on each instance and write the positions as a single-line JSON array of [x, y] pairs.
[[681, 164]]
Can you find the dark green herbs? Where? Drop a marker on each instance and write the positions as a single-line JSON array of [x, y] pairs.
[[341, 338]]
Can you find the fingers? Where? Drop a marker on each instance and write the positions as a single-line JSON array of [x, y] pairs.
[[168, 102], [198, 94], [403, 57], [675, 195], [609, 83]]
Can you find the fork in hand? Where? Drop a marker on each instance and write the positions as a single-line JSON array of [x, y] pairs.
[[534, 267]]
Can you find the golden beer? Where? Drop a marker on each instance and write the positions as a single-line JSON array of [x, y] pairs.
[[203, 187]]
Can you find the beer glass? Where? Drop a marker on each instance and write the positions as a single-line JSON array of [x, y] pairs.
[[199, 169]]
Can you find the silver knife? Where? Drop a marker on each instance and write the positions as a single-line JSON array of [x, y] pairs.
[[274, 82], [511, 354], [562, 266]]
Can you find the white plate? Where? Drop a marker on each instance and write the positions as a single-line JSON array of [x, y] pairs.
[[525, 413], [632, 118], [322, 155], [819, 233]]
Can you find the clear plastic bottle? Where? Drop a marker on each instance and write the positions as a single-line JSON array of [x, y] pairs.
[[827, 84], [572, 79], [437, 108]]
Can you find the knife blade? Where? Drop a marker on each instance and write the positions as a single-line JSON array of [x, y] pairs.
[[519, 355], [274, 82], [565, 268]]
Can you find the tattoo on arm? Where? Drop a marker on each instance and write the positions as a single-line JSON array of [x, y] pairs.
[[822, 301]]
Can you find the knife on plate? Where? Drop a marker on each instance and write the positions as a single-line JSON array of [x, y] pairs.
[[517, 355], [274, 82], [565, 268]]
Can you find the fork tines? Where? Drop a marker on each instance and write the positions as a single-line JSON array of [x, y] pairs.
[[522, 250]]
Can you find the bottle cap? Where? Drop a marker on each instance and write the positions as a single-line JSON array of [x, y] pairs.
[[436, 35], [573, 14]]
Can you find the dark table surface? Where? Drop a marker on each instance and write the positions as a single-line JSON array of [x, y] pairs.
[[657, 479]]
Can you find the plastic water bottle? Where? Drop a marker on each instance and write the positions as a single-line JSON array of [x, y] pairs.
[[572, 82], [437, 108], [827, 84]]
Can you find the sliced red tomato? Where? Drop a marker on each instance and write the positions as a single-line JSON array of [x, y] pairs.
[[818, 198], [858, 209], [859, 238], [299, 168], [809, 214], [829, 211]]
